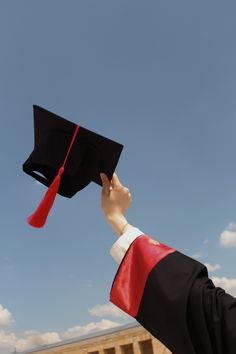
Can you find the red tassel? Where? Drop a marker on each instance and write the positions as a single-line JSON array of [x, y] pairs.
[[39, 217]]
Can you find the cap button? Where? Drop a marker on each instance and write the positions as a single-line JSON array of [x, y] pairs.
[[61, 170]]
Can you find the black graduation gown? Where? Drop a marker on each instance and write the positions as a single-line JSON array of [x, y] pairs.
[[171, 296]]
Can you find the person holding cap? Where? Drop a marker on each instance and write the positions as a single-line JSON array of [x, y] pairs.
[[167, 292]]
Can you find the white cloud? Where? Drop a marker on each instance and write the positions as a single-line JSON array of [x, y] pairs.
[[89, 328], [232, 226], [5, 316], [197, 255], [7, 342], [107, 310], [212, 267], [228, 237], [228, 284], [206, 241], [34, 339]]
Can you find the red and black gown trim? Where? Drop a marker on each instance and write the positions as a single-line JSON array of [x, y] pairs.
[[171, 295]]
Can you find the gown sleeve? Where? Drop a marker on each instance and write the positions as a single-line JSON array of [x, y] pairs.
[[171, 296]]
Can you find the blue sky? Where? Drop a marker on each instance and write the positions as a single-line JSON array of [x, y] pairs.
[[160, 78]]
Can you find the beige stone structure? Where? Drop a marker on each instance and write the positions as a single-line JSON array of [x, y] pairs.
[[128, 339]]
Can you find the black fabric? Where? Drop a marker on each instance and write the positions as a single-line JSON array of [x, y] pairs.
[[185, 311], [91, 153]]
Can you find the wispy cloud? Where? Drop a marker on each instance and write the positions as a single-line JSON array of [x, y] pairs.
[[206, 241], [228, 236], [86, 285], [35, 339], [197, 255], [212, 267], [108, 309], [89, 328], [228, 284]]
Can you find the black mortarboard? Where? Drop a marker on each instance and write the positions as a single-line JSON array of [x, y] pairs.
[[66, 158]]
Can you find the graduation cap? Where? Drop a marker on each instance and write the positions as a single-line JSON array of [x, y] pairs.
[[66, 158]]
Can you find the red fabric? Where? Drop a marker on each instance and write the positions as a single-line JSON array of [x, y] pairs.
[[128, 286], [71, 144], [39, 217]]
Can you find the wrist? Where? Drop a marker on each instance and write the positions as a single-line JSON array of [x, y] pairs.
[[119, 223], [115, 218]]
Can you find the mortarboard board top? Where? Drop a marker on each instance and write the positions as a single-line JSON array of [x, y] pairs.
[[82, 153]]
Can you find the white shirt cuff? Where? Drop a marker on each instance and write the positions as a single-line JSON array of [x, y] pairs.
[[123, 243]]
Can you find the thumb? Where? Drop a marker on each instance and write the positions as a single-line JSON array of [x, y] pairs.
[[105, 183]]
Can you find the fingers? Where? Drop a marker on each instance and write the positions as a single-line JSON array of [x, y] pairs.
[[105, 183], [115, 181], [114, 184]]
